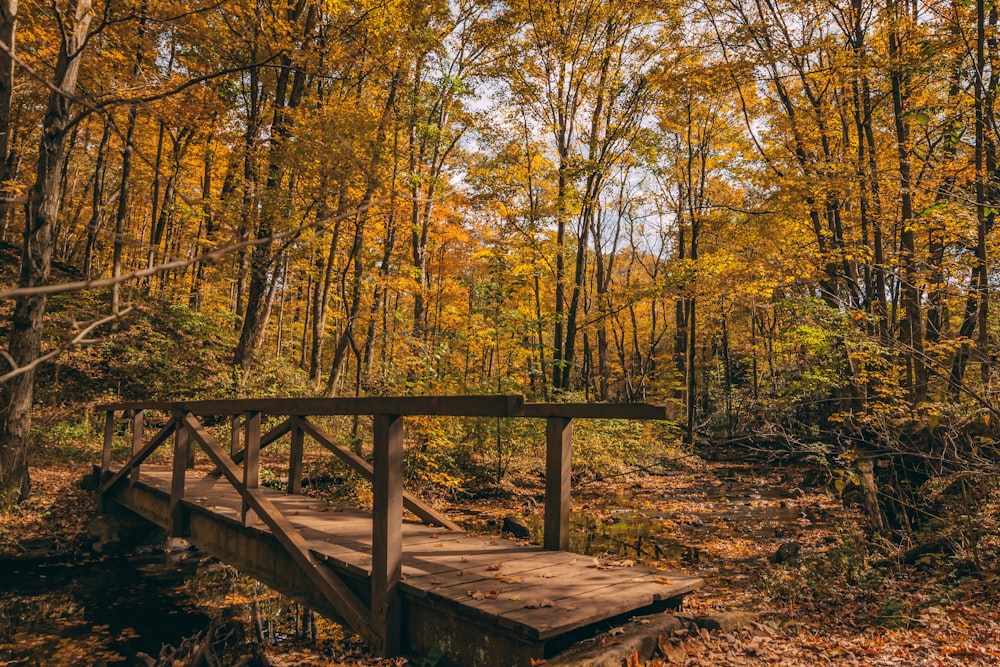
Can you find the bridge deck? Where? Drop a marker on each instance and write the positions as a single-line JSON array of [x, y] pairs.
[[531, 592]]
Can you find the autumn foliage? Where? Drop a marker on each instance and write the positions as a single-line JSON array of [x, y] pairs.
[[776, 214]]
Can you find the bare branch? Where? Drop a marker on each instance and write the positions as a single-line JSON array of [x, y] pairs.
[[218, 253], [79, 339]]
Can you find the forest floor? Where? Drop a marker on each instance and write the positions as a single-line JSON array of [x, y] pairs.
[[838, 601]]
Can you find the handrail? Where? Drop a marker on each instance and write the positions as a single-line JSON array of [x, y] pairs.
[[426, 513], [139, 456], [379, 623], [506, 405]]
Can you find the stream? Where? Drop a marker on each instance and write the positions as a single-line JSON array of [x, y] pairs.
[[102, 612]]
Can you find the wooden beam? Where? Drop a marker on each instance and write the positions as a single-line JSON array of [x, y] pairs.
[[137, 424], [425, 512], [251, 466], [235, 435], [295, 454], [444, 406], [141, 456], [456, 406], [387, 535], [109, 438], [558, 455], [271, 436], [351, 609], [182, 445], [642, 411], [234, 444]]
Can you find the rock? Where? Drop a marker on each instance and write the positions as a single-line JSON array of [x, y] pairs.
[[104, 529], [725, 622], [91, 481], [516, 526], [113, 533], [786, 551], [639, 637]]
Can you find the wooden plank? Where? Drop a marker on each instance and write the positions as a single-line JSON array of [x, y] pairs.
[[595, 605], [141, 456], [558, 455], [235, 435], [455, 582], [176, 509], [387, 538], [363, 468], [456, 406], [273, 434], [295, 458], [109, 438], [137, 424], [340, 596], [453, 406], [641, 411], [251, 466]]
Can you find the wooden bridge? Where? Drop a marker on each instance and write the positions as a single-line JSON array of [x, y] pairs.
[[407, 587]]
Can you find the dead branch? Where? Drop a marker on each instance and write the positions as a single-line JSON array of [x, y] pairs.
[[78, 339]]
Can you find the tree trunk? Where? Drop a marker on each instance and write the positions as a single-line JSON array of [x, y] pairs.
[[41, 212], [97, 213], [8, 27], [354, 304], [911, 328]]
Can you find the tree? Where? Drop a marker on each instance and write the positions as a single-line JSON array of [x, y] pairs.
[[41, 212]]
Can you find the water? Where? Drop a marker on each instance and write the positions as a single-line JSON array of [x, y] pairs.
[[99, 612]]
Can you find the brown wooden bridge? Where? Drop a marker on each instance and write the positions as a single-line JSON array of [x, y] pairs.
[[407, 587]]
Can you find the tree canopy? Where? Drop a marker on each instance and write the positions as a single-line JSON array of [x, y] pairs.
[[777, 214]]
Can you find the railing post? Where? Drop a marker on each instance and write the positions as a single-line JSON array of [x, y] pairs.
[[182, 446], [109, 437], [558, 454], [387, 539], [137, 424], [251, 465], [235, 436], [295, 458]]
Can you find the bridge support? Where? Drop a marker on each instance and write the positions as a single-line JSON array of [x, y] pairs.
[[387, 539], [558, 455]]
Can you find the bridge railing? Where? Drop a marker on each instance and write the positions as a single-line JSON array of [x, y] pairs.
[[379, 622]]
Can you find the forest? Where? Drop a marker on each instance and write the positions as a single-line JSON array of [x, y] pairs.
[[774, 215]]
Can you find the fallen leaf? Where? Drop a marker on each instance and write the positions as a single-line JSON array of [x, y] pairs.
[[496, 566]]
